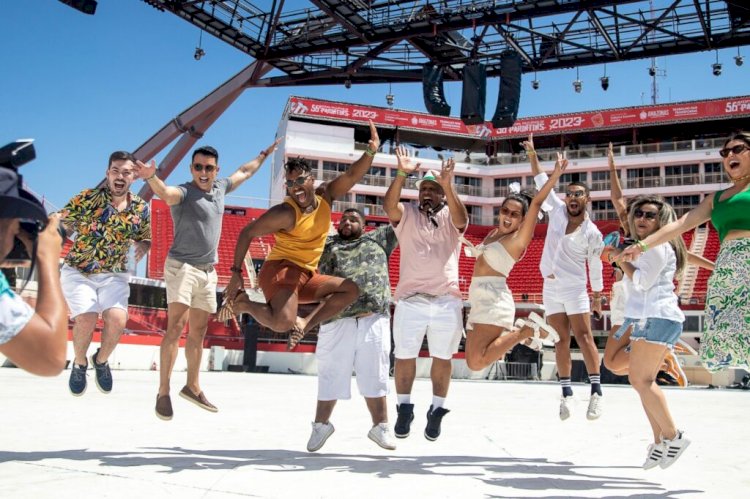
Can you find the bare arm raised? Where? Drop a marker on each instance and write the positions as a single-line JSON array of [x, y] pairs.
[[147, 172], [344, 182], [391, 204], [536, 169], [618, 200], [518, 244], [248, 169], [459, 215]]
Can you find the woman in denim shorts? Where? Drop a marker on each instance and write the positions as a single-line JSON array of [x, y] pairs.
[[652, 309]]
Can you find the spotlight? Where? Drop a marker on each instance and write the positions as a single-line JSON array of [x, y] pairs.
[[605, 82], [652, 71], [739, 60], [578, 86], [389, 100], [199, 52], [716, 68], [535, 84], [347, 83]]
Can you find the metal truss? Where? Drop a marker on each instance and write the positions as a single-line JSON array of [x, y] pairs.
[[362, 41]]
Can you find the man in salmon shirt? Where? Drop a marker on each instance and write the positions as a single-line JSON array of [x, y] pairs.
[[428, 299], [289, 275]]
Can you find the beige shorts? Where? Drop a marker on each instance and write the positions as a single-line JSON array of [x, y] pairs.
[[190, 286], [617, 304], [491, 303], [438, 317]]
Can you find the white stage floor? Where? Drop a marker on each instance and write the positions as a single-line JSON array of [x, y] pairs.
[[501, 439]]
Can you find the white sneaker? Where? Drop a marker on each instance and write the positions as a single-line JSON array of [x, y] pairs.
[[566, 407], [654, 456], [595, 407], [256, 295], [381, 435], [320, 433], [673, 449]]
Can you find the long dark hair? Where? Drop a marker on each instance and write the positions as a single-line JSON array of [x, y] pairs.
[[524, 197]]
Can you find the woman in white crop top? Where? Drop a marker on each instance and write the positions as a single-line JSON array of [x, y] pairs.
[[490, 325]]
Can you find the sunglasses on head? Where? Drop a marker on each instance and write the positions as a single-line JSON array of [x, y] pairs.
[[734, 150], [298, 181], [199, 167], [575, 194], [648, 215]]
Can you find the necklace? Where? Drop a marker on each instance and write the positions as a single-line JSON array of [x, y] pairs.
[[739, 179]]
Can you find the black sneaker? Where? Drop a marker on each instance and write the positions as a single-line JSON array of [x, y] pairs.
[[663, 378], [434, 418], [103, 374], [77, 382], [403, 421]]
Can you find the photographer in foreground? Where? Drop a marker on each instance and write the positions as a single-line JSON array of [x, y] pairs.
[[33, 339]]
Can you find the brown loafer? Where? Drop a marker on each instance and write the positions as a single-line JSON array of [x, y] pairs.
[[164, 407], [200, 400]]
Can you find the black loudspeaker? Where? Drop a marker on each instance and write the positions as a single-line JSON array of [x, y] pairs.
[[510, 90], [739, 14], [432, 87], [474, 94]]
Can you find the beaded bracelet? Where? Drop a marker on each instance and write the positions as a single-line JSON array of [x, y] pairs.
[[643, 246], [235, 269], [370, 153], [402, 173]]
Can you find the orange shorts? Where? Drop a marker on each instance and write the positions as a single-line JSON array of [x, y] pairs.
[[283, 274]]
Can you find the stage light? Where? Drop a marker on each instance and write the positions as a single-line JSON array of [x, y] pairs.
[[199, 52], [535, 84], [716, 67], [652, 71], [389, 98], [605, 82], [347, 83], [578, 86], [739, 60]]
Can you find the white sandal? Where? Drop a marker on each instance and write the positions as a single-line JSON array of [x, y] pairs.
[[539, 323], [534, 342]]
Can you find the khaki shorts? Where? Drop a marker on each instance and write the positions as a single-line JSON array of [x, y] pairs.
[[190, 286]]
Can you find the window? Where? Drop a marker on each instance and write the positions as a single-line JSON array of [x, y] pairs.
[[600, 181], [378, 171], [683, 204], [368, 199], [714, 173], [335, 167], [643, 177], [603, 210]]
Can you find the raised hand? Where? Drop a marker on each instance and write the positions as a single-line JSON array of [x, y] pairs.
[[374, 143], [528, 144], [611, 156], [445, 178], [270, 149], [560, 165], [404, 160], [629, 254], [143, 170]]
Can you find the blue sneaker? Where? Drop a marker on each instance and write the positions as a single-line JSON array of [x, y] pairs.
[[77, 382], [103, 374]]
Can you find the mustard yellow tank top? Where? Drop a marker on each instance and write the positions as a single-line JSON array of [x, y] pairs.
[[303, 245]]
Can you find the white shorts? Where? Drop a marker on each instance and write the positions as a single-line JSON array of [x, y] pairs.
[[560, 297], [491, 303], [440, 317], [94, 293], [190, 286], [617, 304], [362, 345]]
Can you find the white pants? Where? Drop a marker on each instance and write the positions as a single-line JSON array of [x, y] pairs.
[[439, 317], [362, 345], [94, 292]]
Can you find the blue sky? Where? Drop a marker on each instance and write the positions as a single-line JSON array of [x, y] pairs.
[[84, 86]]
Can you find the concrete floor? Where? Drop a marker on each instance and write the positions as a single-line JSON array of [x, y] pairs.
[[501, 439]]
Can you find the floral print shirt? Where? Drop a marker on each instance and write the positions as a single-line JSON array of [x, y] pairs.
[[104, 234]]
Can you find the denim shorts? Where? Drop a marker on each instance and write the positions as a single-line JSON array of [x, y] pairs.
[[660, 331]]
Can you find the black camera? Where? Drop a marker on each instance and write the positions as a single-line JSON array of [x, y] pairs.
[[16, 202]]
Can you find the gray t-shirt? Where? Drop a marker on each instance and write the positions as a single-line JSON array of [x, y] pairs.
[[197, 223]]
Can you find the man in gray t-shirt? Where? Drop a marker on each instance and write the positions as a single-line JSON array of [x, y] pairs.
[[197, 209]]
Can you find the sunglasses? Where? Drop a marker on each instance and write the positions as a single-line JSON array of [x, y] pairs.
[[648, 215], [199, 167], [298, 181], [575, 194], [739, 148]]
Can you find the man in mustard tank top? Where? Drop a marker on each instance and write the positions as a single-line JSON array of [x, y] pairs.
[[289, 275]]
